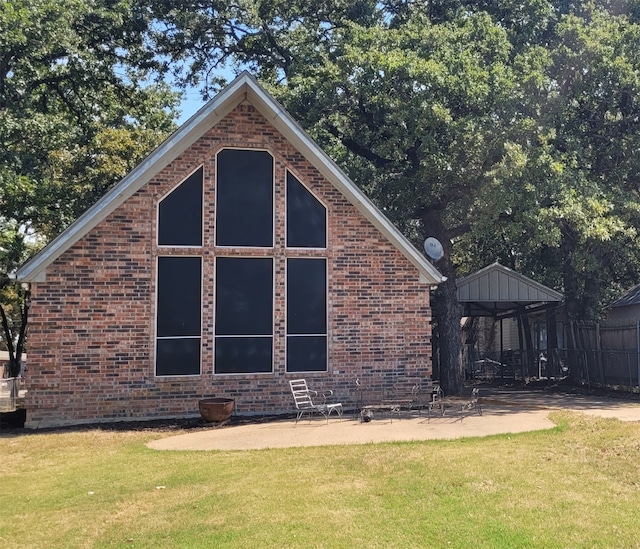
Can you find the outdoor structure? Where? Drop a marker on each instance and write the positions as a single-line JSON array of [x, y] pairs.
[[514, 322], [236, 257], [627, 307]]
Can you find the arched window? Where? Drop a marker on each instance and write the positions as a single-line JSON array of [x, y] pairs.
[[244, 198]]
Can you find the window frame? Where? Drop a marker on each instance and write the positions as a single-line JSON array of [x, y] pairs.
[[286, 212], [273, 202], [326, 313], [272, 336], [202, 214], [155, 334]]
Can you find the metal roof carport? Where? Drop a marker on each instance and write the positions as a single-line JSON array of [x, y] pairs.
[[499, 293]]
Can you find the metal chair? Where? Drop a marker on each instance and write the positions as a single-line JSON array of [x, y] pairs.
[[473, 405], [428, 398], [303, 398]]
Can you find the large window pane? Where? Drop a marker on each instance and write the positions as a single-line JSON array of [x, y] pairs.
[[178, 327], [244, 198], [179, 296], [244, 296], [243, 355], [306, 314], [306, 296], [180, 214], [244, 315], [306, 217]]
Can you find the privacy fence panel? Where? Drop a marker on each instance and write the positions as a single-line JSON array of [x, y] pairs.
[[607, 354], [604, 354]]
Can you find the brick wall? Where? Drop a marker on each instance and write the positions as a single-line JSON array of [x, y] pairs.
[[92, 323]]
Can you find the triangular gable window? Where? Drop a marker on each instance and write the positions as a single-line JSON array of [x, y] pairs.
[[180, 214], [306, 217]]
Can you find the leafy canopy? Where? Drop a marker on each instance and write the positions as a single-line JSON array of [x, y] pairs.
[[508, 130], [79, 107]]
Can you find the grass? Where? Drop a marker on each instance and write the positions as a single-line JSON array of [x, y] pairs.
[[577, 485]]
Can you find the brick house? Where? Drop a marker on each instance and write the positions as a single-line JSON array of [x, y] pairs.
[[235, 257]]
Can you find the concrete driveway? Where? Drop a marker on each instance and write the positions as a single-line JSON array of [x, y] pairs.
[[503, 412]]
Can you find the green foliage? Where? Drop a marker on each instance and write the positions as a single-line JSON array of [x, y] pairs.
[[72, 71], [508, 130], [78, 109], [563, 201]]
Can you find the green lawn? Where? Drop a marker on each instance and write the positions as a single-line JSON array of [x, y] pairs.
[[577, 485]]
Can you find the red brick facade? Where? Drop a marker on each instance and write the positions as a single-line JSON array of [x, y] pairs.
[[92, 322]]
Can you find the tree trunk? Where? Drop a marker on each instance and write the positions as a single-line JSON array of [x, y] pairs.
[[448, 314], [591, 295], [16, 350], [552, 342]]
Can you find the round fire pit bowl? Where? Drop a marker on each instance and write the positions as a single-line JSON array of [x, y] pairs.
[[216, 409]]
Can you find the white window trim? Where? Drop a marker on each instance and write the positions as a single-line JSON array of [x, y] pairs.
[[157, 338], [273, 320], [165, 195]]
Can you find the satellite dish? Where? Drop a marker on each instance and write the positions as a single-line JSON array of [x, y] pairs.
[[433, 248]]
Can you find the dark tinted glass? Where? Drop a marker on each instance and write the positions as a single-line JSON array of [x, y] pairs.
[[306, 296], [180, 214], [306, 353], [244, 296], [179, 296], [176, 357], [244, 199], [243, 355], [306, 217]]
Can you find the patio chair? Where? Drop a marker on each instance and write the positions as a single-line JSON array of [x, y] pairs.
[[428, 398], [471, 406], [305, 404], [360, 392]]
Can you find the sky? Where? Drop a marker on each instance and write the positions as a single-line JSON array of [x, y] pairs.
[[192, 100], [191, 103]]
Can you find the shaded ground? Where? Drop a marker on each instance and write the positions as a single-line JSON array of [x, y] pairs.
[[175, 424], [564, 386]]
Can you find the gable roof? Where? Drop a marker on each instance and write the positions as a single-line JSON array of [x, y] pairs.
[[630, 297], [244, 88], [499, 291]]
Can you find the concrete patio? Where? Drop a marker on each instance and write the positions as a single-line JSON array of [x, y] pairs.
[[503, 412]]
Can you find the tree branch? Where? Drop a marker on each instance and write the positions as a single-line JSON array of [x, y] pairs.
[[357, 149], [284, 54]]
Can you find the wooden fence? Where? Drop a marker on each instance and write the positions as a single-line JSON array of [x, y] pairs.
[[603, 354]]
